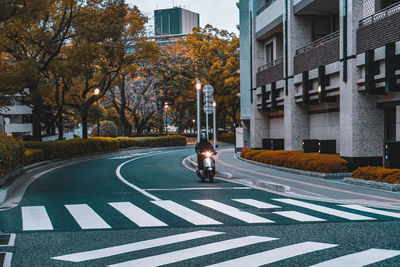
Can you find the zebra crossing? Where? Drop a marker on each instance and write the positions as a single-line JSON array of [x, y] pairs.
[[37, 218], [275, 252]]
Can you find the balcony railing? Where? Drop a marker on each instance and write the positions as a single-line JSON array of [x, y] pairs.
[[380, 15], [270, 64], [318, 42], [267, 4]]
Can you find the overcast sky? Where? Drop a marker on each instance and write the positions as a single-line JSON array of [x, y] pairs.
[[222, 14]]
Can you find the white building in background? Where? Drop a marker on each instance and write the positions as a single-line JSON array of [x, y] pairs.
[[15, 118]]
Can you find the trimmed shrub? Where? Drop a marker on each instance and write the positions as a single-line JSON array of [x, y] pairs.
[[227, 138], [68, 148], [12, 153], [314, 162], [32, 156], [378, 174], [107, 129]]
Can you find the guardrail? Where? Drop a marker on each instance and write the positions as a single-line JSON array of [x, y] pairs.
[[318, 42], [267, 4], [270, 64], [380, 15]]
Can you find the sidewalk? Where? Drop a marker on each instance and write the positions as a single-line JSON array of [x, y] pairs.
[[305, 186]]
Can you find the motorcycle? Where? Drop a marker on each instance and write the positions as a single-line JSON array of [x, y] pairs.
[[208, 166]]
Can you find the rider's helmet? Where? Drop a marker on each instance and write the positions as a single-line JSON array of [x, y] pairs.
[[203, 135]]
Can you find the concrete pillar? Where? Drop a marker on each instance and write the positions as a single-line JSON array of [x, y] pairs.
[[361, 122], [297, 125], [397, 123]]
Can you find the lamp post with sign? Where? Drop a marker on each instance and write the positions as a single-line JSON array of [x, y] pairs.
[[198, 88], [97, 92], [208, 91]]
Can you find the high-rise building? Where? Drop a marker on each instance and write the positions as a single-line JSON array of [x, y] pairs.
[[321, 69], [173, 23]]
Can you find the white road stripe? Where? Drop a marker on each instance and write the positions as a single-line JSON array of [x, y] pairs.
[[35, 218], [137, 215], [371, 210], [301, 217], [274, 255], [185, 213], [361, 258], [7, 259], [233, 212], [152, 243], [198, 188], [326, 210], [86, 217], [185, 254], [257, 204]]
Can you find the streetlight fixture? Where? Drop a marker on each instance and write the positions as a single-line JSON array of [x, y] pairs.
[[198, 88], [97, 92], [194, 121], [166, 122], [215, 123]]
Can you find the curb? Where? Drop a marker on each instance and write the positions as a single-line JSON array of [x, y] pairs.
[[256, 182], [306, 173], [225, 175], [372, 184]]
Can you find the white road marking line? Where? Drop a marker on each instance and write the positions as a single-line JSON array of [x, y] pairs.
[[11, 240], [274, 255], [257, 204], [194, 252], [326, 210], [35, 218], [371, 210], [233, 212], [361, 258], [7, 259], [185, 213], [152, 243], [137, 215], [86, 217], [301, 217], [197, 188]]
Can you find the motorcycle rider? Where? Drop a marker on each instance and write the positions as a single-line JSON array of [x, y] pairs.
[[202, 146]]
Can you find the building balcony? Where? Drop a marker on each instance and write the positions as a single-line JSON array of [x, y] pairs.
[[318, 53], [270, 72], [17, 110], [379, 29], [269, 17]]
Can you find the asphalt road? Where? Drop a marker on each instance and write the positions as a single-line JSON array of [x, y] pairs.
[[143, 208]]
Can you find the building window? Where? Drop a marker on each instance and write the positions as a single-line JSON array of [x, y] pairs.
[[269, 53]]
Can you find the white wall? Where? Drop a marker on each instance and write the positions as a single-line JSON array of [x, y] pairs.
[[325, 126], [276, 128]]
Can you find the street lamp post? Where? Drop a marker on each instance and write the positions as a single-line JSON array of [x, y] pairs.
[[166, 121], [215, 123], [194, 121], [198, 87], [97, 92]]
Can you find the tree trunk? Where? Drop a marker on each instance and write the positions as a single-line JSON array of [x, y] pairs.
[[36, 121], [84, 115], [60, 126]]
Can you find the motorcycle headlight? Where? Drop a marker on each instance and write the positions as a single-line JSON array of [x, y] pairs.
[[208, 154]]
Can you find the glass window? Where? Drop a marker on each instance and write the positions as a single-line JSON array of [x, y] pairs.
[[269, 53]]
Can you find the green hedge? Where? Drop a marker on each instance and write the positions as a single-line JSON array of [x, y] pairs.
[[68, 148], [32, 156], [325, 163], [227, 138], [12, 153]]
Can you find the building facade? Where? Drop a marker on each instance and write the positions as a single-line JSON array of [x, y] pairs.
[[173, 23], [321, 69], [16, 118]]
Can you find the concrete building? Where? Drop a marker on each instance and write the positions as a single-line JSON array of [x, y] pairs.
[[15, 118], [321, 69], [173, 23]]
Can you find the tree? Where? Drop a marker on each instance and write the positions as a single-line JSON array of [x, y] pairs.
[[217, 61], [31, 37]]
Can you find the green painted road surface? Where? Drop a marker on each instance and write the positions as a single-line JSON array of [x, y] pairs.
[[144, 208]]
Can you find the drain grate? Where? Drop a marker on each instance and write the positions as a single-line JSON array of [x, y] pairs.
[[4, 239]]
